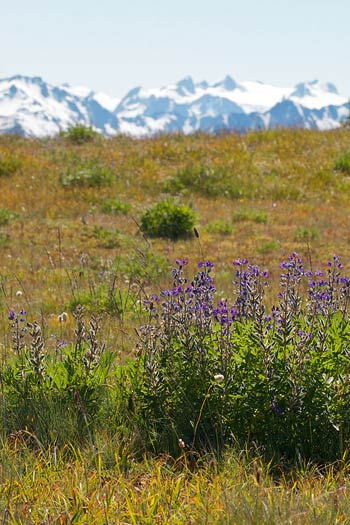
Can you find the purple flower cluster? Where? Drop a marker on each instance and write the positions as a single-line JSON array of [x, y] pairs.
[[250, 283], [18, 329], [17, 317], [328, 291], [290, 299], [188, 306], [224, 314]]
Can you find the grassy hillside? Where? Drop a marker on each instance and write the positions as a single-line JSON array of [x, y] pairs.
[[260, 196], [71, 216]]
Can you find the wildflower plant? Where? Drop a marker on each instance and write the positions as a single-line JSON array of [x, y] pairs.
[[42, 390], [214, 371]]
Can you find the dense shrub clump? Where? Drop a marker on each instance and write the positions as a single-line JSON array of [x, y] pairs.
[[168, 219], [80, 134]]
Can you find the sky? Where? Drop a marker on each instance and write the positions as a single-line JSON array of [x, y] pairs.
[[115, 45]]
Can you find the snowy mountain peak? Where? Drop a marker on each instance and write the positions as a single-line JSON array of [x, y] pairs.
[[133, 93], [26, 79], [310, 88], [302, 90], [227, 83], [316, 94], [185, 86]]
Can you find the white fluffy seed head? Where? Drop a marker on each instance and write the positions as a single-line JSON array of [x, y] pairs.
[[19, 293], [63, 317]]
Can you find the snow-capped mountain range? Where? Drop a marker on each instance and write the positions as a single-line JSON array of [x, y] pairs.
[[31, 107]]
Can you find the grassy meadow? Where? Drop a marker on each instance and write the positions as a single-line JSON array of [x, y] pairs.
[[132, 391]]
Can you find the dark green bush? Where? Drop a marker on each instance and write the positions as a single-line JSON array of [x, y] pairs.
[[168, 219], [80, 134]]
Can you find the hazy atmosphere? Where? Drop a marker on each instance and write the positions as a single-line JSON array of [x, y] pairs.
[[113, 46]]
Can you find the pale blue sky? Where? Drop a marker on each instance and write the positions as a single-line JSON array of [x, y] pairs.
[[113, 46]]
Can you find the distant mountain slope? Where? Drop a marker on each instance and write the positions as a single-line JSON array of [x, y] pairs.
[[31, 107]]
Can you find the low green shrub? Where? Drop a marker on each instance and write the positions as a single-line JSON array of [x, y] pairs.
[[306, 234], [266, 246], [142, 266], [105, 237], [80, 134], [168, 219], [5, 239], [205, 180]]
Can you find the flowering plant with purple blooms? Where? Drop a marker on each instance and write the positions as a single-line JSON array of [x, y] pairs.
[[18, 329], [211, 371], [56, 397], [277, 366]]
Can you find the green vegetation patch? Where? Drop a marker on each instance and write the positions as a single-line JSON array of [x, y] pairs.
[[206, 180], [9, 164], [343, 162], [87, 173], [251, 215], [80, 134], [115, 206], [168, 219], [304, 234], [219, 226], [6, 216]]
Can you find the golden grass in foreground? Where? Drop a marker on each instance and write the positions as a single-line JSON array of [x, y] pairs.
[[46, 489]]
